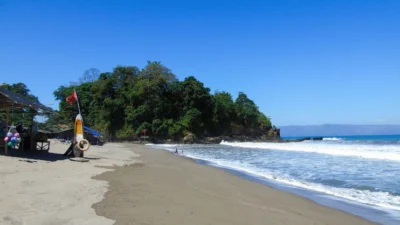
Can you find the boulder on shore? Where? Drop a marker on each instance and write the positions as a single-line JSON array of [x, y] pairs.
[[189, 138], [273, 134]]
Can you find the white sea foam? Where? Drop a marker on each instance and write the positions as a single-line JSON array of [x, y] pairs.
[[332, 139], [169, 147], [163, 145], [378, 152], [380, 199]]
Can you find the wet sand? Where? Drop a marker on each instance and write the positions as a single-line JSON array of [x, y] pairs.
[[166, 189]]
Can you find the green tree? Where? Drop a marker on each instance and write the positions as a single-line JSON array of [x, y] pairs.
[[192, 121], [127, 100], [196, 96], [20, 116], [224, 113], [22, 89], [247, 111]]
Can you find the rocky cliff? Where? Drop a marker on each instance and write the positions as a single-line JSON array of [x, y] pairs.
[[271, 135]]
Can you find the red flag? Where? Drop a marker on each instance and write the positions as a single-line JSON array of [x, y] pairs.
[[72, 98]]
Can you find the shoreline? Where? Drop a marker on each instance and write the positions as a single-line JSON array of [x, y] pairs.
[[374, 213], [218, 140], [380, 216], [167, 189]]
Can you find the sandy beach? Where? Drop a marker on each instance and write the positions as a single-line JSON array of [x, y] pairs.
[[166, 189], [48, 188], [134, 184]]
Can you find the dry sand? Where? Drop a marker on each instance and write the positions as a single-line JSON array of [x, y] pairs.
[[47, 188], [171, 190]]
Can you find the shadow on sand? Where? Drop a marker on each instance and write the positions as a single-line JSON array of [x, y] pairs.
[[33, 156]]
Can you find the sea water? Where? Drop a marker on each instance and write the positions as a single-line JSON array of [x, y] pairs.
[[358, 174]]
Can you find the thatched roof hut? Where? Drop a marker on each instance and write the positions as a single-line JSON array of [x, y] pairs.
[[10, 100]]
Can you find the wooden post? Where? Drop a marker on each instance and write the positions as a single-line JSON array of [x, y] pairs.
[[7, 124], [33, 136]]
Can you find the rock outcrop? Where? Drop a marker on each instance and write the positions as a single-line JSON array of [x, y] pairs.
[[189, 138], [273, 134]]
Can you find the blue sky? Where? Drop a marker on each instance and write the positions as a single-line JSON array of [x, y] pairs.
[[302, 62]]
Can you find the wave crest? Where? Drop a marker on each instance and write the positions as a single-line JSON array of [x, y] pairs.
[[332, 139], [379, 152], [376, 198]]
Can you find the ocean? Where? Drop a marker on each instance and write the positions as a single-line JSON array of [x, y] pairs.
[[357, 174]]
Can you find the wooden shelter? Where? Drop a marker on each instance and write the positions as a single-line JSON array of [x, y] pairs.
[[10, 101]]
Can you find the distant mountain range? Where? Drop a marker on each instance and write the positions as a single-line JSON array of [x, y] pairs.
[[338, 130]]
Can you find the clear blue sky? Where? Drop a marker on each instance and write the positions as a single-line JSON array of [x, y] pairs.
[[301, 61]]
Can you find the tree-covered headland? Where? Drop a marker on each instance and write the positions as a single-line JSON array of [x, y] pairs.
[[124, 102]]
